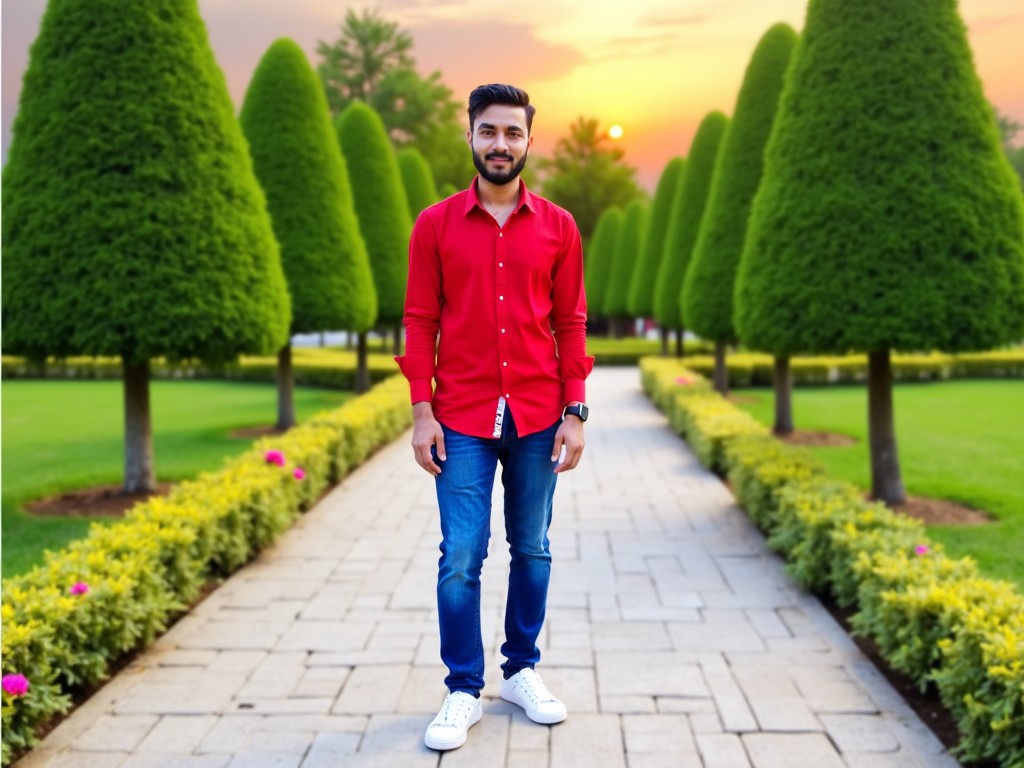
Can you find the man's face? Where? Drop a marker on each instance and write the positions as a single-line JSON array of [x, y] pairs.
[[500, 143]]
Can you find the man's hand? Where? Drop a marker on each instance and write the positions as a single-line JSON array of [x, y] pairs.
[[569, 435], [426, 433]]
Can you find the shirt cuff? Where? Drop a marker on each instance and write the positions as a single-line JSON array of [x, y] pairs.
[[420, 391], [574, 389]]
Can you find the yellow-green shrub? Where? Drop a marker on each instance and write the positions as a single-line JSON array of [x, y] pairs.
[[932, 617], [141, 571]]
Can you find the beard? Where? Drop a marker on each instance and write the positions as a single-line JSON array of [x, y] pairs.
[[499, 178]]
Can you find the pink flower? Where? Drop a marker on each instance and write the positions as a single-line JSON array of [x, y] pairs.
[[15, 685], [79, 588], [275, 457], [921, 549], [299, 473], [684, 381]]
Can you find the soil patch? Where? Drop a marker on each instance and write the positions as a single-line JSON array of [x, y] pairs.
[[942, 512], [100, 501], [742, 399], [815, 439], [252, 433]]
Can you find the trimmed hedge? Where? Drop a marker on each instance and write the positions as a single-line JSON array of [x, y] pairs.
[[113, 592], [932, 617], [312, 367]]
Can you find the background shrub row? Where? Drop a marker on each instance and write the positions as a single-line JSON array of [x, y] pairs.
[[312, 367], [318, 367], [134, 576], [932, 617]]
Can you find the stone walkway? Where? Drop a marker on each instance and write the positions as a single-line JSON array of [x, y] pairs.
[[673, 636]]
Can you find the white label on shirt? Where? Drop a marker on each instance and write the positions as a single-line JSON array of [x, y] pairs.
[[499, 417]]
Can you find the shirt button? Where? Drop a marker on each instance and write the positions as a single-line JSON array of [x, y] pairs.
[[499, 234], [505, 364], [501, 298], [507, 395], [501, 264], [502, 330]]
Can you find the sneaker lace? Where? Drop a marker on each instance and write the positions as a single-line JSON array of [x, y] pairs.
[[535, 687], [456, 711]]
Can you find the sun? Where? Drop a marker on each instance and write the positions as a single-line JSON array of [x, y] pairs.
[[615, 132]]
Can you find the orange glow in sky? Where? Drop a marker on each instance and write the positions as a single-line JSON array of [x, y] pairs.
[[657, 66]]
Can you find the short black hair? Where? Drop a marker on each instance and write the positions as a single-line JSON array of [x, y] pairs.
[[484, 96]]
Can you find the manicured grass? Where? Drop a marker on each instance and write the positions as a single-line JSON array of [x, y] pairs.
[[958, 440], [63, 435]]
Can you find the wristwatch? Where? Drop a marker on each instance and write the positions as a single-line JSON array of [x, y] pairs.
[[579, 411]]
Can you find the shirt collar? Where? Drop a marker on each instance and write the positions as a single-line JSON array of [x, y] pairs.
[[473, 198]]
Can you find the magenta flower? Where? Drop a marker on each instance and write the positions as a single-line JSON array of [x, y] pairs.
[[921, 549], [275, 457], [79, 588], [15, 685], [299, 473], [683, 380]]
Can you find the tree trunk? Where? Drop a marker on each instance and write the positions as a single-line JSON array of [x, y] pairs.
[[721, 372], [398, 339], [362, 367], [783, 396], [664, 341], [139, 474], [285, 389], [886, 480], [679, 341]]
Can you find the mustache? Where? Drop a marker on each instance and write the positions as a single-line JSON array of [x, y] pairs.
[[497, 156]]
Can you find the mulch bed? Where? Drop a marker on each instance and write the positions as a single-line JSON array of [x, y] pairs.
[[99, 501]]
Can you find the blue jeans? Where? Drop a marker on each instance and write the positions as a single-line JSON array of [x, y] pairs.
[[464, 497]]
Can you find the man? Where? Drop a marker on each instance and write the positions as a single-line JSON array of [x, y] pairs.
[[498, 271]]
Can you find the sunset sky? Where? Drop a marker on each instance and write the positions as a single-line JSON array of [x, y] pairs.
[[655, 67]]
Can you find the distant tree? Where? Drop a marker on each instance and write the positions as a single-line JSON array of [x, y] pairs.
[[133, 225], [417, 181], [372, 62], [598, 264], [587, 173], [888, 217], [381, 207], [684, 223], [708, 287], [298, 162], [628, 247], [1008, 130], [643, 281]]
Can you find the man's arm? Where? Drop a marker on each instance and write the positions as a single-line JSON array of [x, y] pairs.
[[422, 320]]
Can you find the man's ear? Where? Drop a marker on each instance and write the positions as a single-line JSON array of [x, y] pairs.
[[469, 138], [529, 141]]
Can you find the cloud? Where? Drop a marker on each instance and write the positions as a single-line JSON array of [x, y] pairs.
[[985, 24], [472, 52], [654, 20]]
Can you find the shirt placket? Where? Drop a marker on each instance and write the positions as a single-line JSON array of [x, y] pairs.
[[502, 299]]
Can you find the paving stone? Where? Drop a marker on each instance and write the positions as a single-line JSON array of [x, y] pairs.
[[486, 746], [657, 733], [588, 741], [860, 733], [723, 750], [177, 733], [526, 758], [372, 690], [721, 630], [797, 750], [324, 636], [112, 733], [74, 759], [394, 740], [150, 760], [264, 760], [649, 674]]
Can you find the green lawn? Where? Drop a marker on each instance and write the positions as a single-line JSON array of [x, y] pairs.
[[62, 435], [958, 440]]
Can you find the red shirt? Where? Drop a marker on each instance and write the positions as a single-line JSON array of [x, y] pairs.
[[500, 297]]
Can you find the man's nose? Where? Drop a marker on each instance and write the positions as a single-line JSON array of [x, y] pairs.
[[500, 140]]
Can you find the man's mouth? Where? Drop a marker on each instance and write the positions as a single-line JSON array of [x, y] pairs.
[[500, 158]]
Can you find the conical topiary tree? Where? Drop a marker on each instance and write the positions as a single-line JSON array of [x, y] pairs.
[[628, 247], [644, 280], [888, 217], [684, 223], [381, 207], [417, 180], [132, 221], [598, 267], [708, 287], [299, 165]]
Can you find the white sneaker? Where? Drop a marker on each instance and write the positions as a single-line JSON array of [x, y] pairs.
[[449, 729], [526, 689]]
